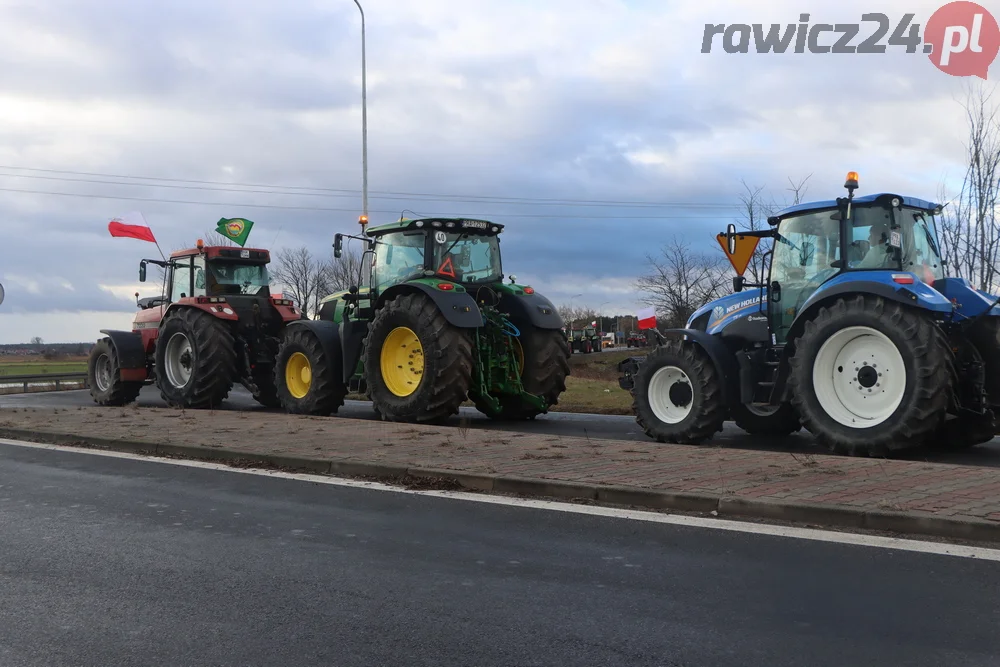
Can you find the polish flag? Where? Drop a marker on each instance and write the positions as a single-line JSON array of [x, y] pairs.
[[131, 225], [647, 318]]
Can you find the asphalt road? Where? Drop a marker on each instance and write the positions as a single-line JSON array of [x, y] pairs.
[[122, 562], [565, 424]]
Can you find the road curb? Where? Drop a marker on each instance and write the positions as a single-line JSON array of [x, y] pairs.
[[814, 514]]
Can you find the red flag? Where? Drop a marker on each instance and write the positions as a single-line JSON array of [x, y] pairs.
[[647, 318], [126, 226]]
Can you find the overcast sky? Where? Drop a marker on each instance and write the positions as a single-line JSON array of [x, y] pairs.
[[579, 100]]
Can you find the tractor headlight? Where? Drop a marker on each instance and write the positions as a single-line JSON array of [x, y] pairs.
[[896, 202]]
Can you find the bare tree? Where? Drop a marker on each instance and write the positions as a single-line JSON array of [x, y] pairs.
[[681, 281], [968, 225], [215, 238], [753, 216], [576, 317], [300, 275], [339, 274], [798, 189]]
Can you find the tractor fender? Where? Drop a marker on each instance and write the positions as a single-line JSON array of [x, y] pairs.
[[723, 360], [328, 335], [533, 308], [213, 309], [917, 295], [459, 308], [131, 354]]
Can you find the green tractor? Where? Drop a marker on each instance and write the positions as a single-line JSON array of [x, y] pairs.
[[433, 327]]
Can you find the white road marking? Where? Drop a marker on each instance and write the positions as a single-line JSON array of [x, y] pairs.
[[855, 539]]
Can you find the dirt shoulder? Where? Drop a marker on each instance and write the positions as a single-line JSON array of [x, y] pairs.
[[931, 498]]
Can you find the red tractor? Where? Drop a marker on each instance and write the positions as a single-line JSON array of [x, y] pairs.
[[215, 325]]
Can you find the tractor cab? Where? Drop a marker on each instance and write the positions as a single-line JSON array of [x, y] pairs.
[[456, 250], [213, 272], [888, 239]]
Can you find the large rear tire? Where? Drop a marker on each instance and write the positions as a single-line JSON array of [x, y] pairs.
[[104, 376], [544, 361], [778, 421], [303, 376], [195, 359], [870, 376], [418, 367], [678, 395]]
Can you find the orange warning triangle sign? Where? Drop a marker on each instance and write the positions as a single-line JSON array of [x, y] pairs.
[[743, 250], [449, 271]]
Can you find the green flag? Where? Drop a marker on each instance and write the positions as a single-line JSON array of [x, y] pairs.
[[237, 229]]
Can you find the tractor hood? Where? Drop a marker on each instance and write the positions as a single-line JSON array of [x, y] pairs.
[[723, 311]]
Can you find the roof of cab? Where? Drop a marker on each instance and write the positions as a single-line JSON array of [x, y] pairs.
[[866, 199]]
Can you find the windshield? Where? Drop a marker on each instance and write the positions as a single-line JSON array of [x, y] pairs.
[[467, 258], [805, 249], [399, 257], [238, 278], [875, 244]]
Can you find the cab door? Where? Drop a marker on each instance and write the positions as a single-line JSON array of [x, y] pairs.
[[806, 253]]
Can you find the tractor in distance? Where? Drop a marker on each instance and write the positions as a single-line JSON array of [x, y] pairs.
[[857, 334], [583, 341], [214, 324], [431, 325]]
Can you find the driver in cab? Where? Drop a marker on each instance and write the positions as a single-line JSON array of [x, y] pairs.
[[879, 255]]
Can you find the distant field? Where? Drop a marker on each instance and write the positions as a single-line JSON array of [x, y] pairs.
[[10, 365]]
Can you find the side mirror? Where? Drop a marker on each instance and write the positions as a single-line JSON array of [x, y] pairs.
[[338, 245], [738, 282], [731, 238], [142, 271]]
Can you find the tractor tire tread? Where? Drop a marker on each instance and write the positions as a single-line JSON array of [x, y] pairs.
[[447, 352], [121, 392], [326, 394], [926, 405], [712, 411], [215, 360]]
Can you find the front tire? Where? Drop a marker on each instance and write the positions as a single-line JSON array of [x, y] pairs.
[[195, 360], [870, 376], [418, 367], [678, 395], [304, 378], [104, 376]]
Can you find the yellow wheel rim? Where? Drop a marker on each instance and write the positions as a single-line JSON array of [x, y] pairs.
[[402, 361], [519, 355], [298, 375]]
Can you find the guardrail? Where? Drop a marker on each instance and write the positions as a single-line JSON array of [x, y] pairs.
[[58, 378]]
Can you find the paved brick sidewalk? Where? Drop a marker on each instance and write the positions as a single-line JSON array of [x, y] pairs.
[[926, 489]]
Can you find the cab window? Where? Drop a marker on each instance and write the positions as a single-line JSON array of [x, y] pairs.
[[180, 282], [399, 257]]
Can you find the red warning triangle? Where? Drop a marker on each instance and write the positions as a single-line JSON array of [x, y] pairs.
[[447, 268]]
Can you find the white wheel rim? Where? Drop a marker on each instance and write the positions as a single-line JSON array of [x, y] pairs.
[[102, 372], [859, 377], [670, 409], [177, 360]]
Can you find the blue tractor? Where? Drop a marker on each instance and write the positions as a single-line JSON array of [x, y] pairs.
[[858, 335]]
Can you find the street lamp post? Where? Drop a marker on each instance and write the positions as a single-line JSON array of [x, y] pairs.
[[364, 123]]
